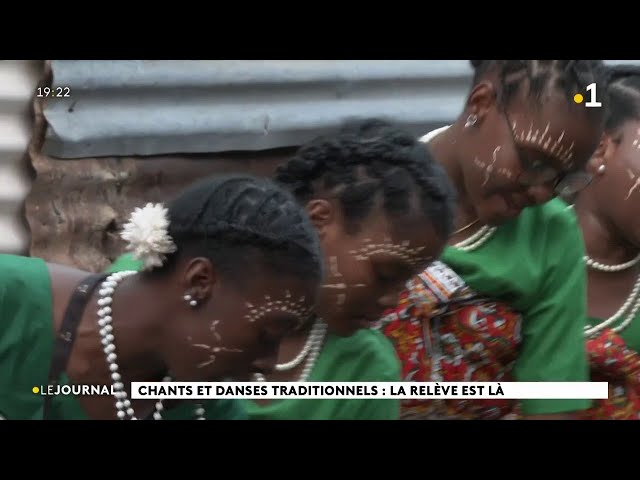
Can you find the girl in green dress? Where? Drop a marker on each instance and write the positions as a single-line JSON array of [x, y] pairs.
[[230, 268], [383, 210], [608, 213], [514, 302]]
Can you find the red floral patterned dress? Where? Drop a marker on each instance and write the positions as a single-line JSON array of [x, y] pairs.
[[443, 331], [612, 361]]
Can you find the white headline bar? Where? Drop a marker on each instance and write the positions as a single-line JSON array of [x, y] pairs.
[[372, 390]]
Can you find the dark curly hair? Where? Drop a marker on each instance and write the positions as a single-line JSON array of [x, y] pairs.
[[371, 160], [240, 223], [624, 95], [565, 76]]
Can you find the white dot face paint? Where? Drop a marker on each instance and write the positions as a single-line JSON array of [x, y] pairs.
[[554, 147], [286, 305], [411, 255]]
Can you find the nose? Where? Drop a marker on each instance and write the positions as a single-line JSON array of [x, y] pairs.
[[539, 194]]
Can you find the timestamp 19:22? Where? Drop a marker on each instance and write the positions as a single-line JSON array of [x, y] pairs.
[[57, 92]]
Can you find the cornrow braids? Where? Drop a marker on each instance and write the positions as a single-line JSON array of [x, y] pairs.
[[369, 160], [564, 76], [239, 221], [624, 95]]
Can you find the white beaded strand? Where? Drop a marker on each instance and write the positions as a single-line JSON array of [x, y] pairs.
[[630, 306], [310, 351], [611, 268], [476, 240], [123, 404]]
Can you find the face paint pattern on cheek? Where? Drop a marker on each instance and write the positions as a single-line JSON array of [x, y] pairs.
[[491, 167], [550, 147], [294, 307], [333, 267], [408, 254], [632, 176], [213, 351]]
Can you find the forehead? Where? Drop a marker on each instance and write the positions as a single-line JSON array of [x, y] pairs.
[[414, 238], [561, 131], [293, 303], [283, 289]]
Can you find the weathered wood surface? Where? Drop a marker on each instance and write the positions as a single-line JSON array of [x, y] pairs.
[[76, 208]]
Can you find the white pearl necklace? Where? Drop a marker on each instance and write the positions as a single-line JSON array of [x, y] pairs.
[[311, 351], [105, 300], [611, 268], [476, 240], [630, 306]]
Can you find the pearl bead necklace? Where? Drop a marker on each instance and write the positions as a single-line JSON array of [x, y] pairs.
[[611, 268], [311, 351], [630, 307], [631, 304], [105, 300], [476, 240]]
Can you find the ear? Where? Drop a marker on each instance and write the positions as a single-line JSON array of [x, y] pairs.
[[198, 278], [603, 154], [481, 100], [322, 214]]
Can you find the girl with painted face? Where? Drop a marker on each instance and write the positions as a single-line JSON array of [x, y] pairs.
[[608, 213], [383, 210], [508, 300], [230, 268]]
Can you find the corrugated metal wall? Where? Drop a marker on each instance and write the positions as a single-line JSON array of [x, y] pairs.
[[136, 131], [18, 81], [163, 107]]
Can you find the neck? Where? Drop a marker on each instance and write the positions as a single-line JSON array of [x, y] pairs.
[[136, 329], [603, 241], [444, 150]]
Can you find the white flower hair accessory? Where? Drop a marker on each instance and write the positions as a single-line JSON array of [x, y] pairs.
[[147, 235]]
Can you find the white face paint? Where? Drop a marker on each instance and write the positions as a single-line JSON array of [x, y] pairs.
[[333, 267], [636, 141], [545, 142], [287, 305], [636, 184], [411, 255], [490, 168], [213, 351]]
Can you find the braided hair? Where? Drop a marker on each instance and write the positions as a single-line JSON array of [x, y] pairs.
[[367, 161], [567, 77], [241, 222], [624, 95]]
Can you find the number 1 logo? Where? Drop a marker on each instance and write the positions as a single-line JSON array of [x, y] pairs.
[[593, 102]]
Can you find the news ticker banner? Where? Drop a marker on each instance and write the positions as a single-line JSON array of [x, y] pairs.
[[369, 390]]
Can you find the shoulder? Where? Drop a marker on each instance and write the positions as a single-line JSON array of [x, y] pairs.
[[553, 224], [18, 273], [433, 133], [554, 213], [124, 262]]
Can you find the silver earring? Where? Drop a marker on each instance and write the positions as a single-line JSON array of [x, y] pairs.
[[601, 169], [188, 298], [471, 120]]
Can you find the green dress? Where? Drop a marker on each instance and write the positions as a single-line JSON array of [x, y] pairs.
[[26, 345], [366, 356], [534, 264]]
